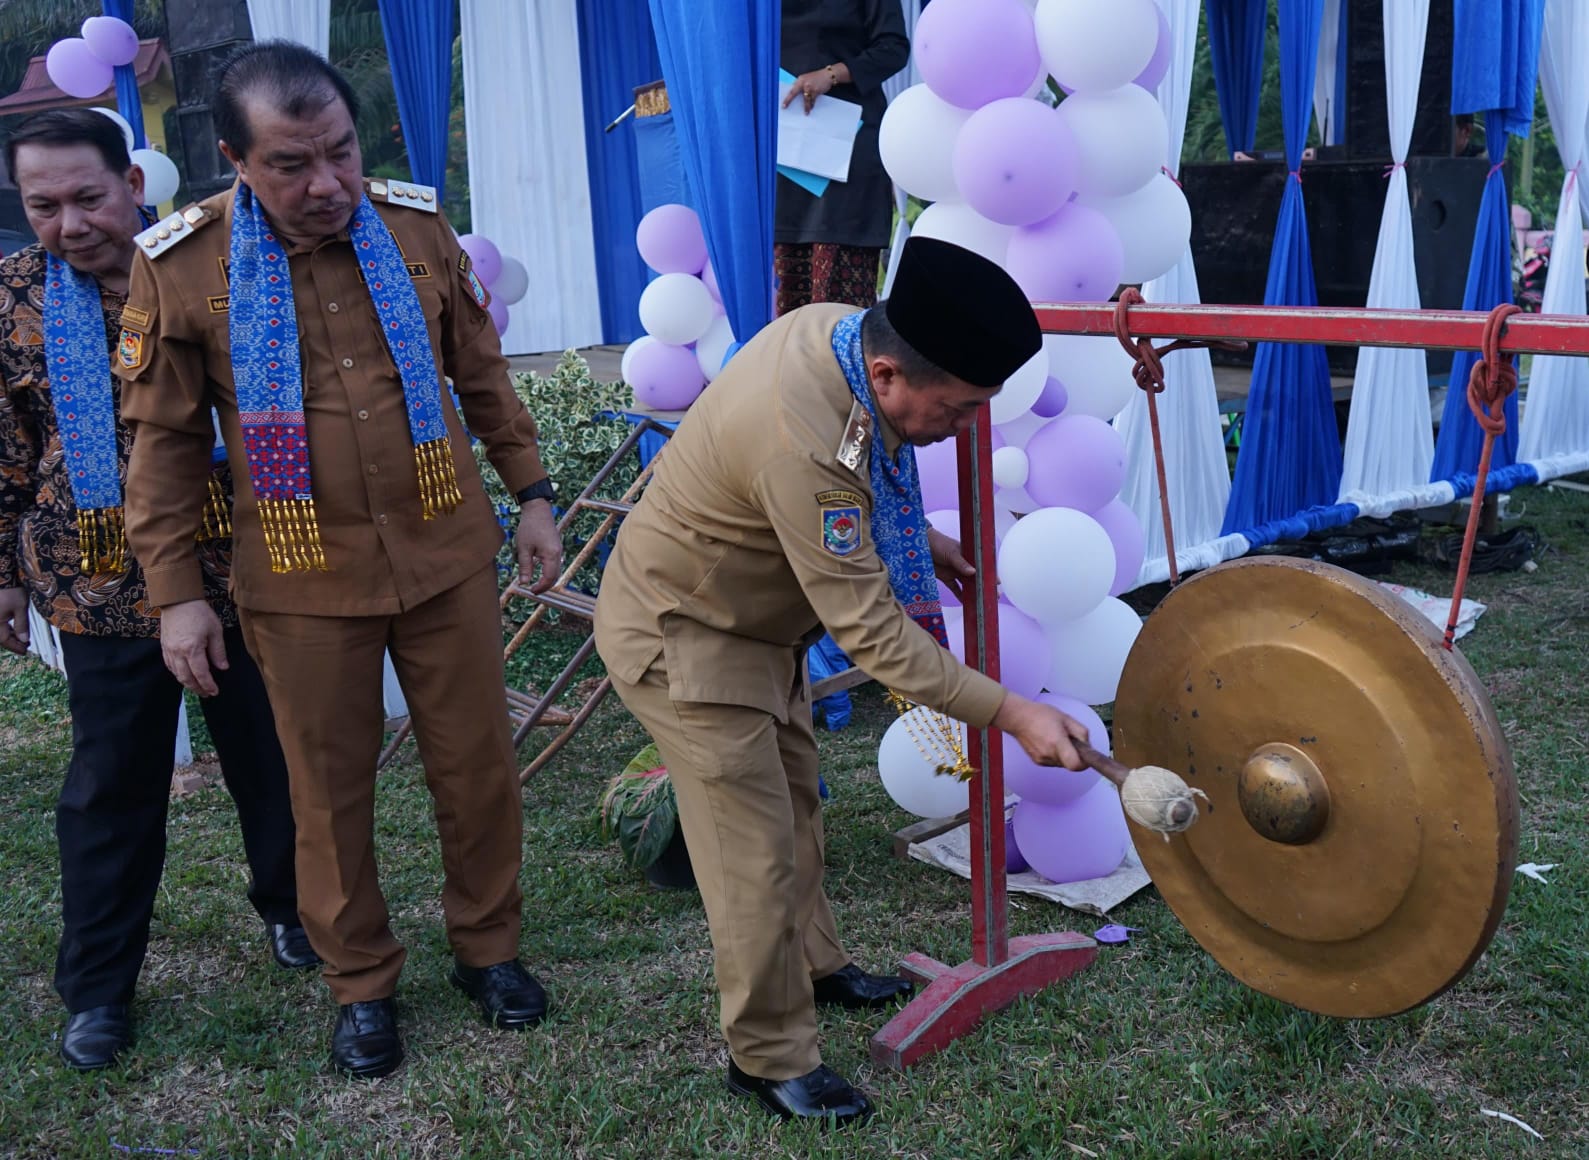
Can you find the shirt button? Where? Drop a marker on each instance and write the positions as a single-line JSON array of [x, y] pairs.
[[373, 469], [333, 307], [364, 414], [347, 362], [381, 520]]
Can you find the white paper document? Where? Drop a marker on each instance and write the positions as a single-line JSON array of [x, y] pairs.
[[820, 141]]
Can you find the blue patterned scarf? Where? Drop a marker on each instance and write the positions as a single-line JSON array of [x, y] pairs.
[[269, 377], [899, 526]]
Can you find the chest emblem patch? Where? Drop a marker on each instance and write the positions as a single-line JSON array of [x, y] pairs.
[[130, 349], [841, 530]]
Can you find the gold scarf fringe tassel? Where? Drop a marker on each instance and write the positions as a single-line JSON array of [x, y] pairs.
[[292, 535], [937, 738], [438, 479], [102, 540], [217, 513]]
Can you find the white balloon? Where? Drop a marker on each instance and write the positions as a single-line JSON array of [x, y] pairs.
[[1154, 224], [629, 353], [910, 779], [1014, 500], [1090, 652], [916, 140], [1096, 372], [1122, 138], [1010, 467], [963, 226], [512, 284], [677, 309], [1056, 564], [1020, 390], [1018, 431], [713, 346], [160, 176], [126, 128], [1090, 45]]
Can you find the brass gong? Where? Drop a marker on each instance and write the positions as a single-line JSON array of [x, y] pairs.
[[1358, 844]]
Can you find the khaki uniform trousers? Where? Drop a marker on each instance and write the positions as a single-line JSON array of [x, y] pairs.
[[752, 815], [323, 674]]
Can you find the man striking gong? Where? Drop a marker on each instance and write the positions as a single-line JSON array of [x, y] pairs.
[[787, 504]]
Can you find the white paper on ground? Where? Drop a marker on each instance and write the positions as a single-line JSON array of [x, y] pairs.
[[1436, 608]]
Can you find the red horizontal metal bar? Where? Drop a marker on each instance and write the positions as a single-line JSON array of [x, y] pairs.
[[1326, 325]]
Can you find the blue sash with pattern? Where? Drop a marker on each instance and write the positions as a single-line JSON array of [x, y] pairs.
[[899, 525], [268, 376]]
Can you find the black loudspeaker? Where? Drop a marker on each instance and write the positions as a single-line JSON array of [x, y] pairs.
[[1367, 124]]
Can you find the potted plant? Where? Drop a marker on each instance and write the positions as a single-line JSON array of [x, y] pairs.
[[639, 809]]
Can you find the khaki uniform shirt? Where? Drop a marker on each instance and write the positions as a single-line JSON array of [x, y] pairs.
[[383, 556], [722, 568]]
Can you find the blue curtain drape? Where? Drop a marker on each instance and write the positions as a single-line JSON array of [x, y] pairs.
[[419, 37], [720, 62], [656, 143], [1495, 59], [127, 102], [1290, 456], [617, 53], [1461, 439], [1342, 97], [1236, 32]]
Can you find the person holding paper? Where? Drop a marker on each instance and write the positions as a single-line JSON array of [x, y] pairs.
[[828, 248]]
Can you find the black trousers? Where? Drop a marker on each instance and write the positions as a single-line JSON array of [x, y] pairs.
[[110, 821]]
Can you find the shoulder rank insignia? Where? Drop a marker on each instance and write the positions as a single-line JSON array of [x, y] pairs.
[[852, 448], [403, 193], [170, 230]]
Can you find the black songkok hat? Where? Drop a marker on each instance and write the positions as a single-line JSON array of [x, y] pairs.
[[962, 312]]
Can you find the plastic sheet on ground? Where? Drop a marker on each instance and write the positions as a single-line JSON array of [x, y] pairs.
[[1436, 608]]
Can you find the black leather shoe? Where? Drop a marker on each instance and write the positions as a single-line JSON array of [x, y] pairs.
[[365, 1042], [851, 987], [289, 946], [95, 1037], [820, 1094], [508, 995]]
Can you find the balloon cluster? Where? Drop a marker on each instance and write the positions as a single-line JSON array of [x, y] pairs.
[[1072, 201], [505, 278], [687, 334], [85, 67]]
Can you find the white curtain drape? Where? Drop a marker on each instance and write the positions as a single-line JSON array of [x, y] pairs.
[[528, 185], [1555, 418], [1325, 109], [895, 85], [1196, 471], [1390, 437], [304, 21]]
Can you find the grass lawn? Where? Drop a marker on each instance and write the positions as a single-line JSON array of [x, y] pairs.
[[1154, 1052]]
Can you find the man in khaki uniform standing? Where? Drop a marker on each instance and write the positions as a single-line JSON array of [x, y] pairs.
[[318, 314], [786, 503]]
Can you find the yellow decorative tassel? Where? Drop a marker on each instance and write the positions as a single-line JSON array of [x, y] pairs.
[[102, 541], [438, 480], [292, 535], [217, 514], [937, 737]]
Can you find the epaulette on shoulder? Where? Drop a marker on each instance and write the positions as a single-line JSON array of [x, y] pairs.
[[405, 193], [170, 230]]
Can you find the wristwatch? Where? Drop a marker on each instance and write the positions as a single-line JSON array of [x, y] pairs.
[[542, 489]]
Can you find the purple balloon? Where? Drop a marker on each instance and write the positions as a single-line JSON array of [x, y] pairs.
[[113, 41], [1077, 461], [1073, 256], [1130, 540], [670, 241], [970, 52], [1054, 399], [938, 466], [75, 70], [1083, 839], [1014, 863], [946, 521], [1023, 649], [1159, 63], [484, 254], [1015, 161], [498, 310], [1054, 785], [665, 378]]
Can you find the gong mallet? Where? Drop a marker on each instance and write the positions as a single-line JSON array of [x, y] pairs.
[[1153, 797]]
